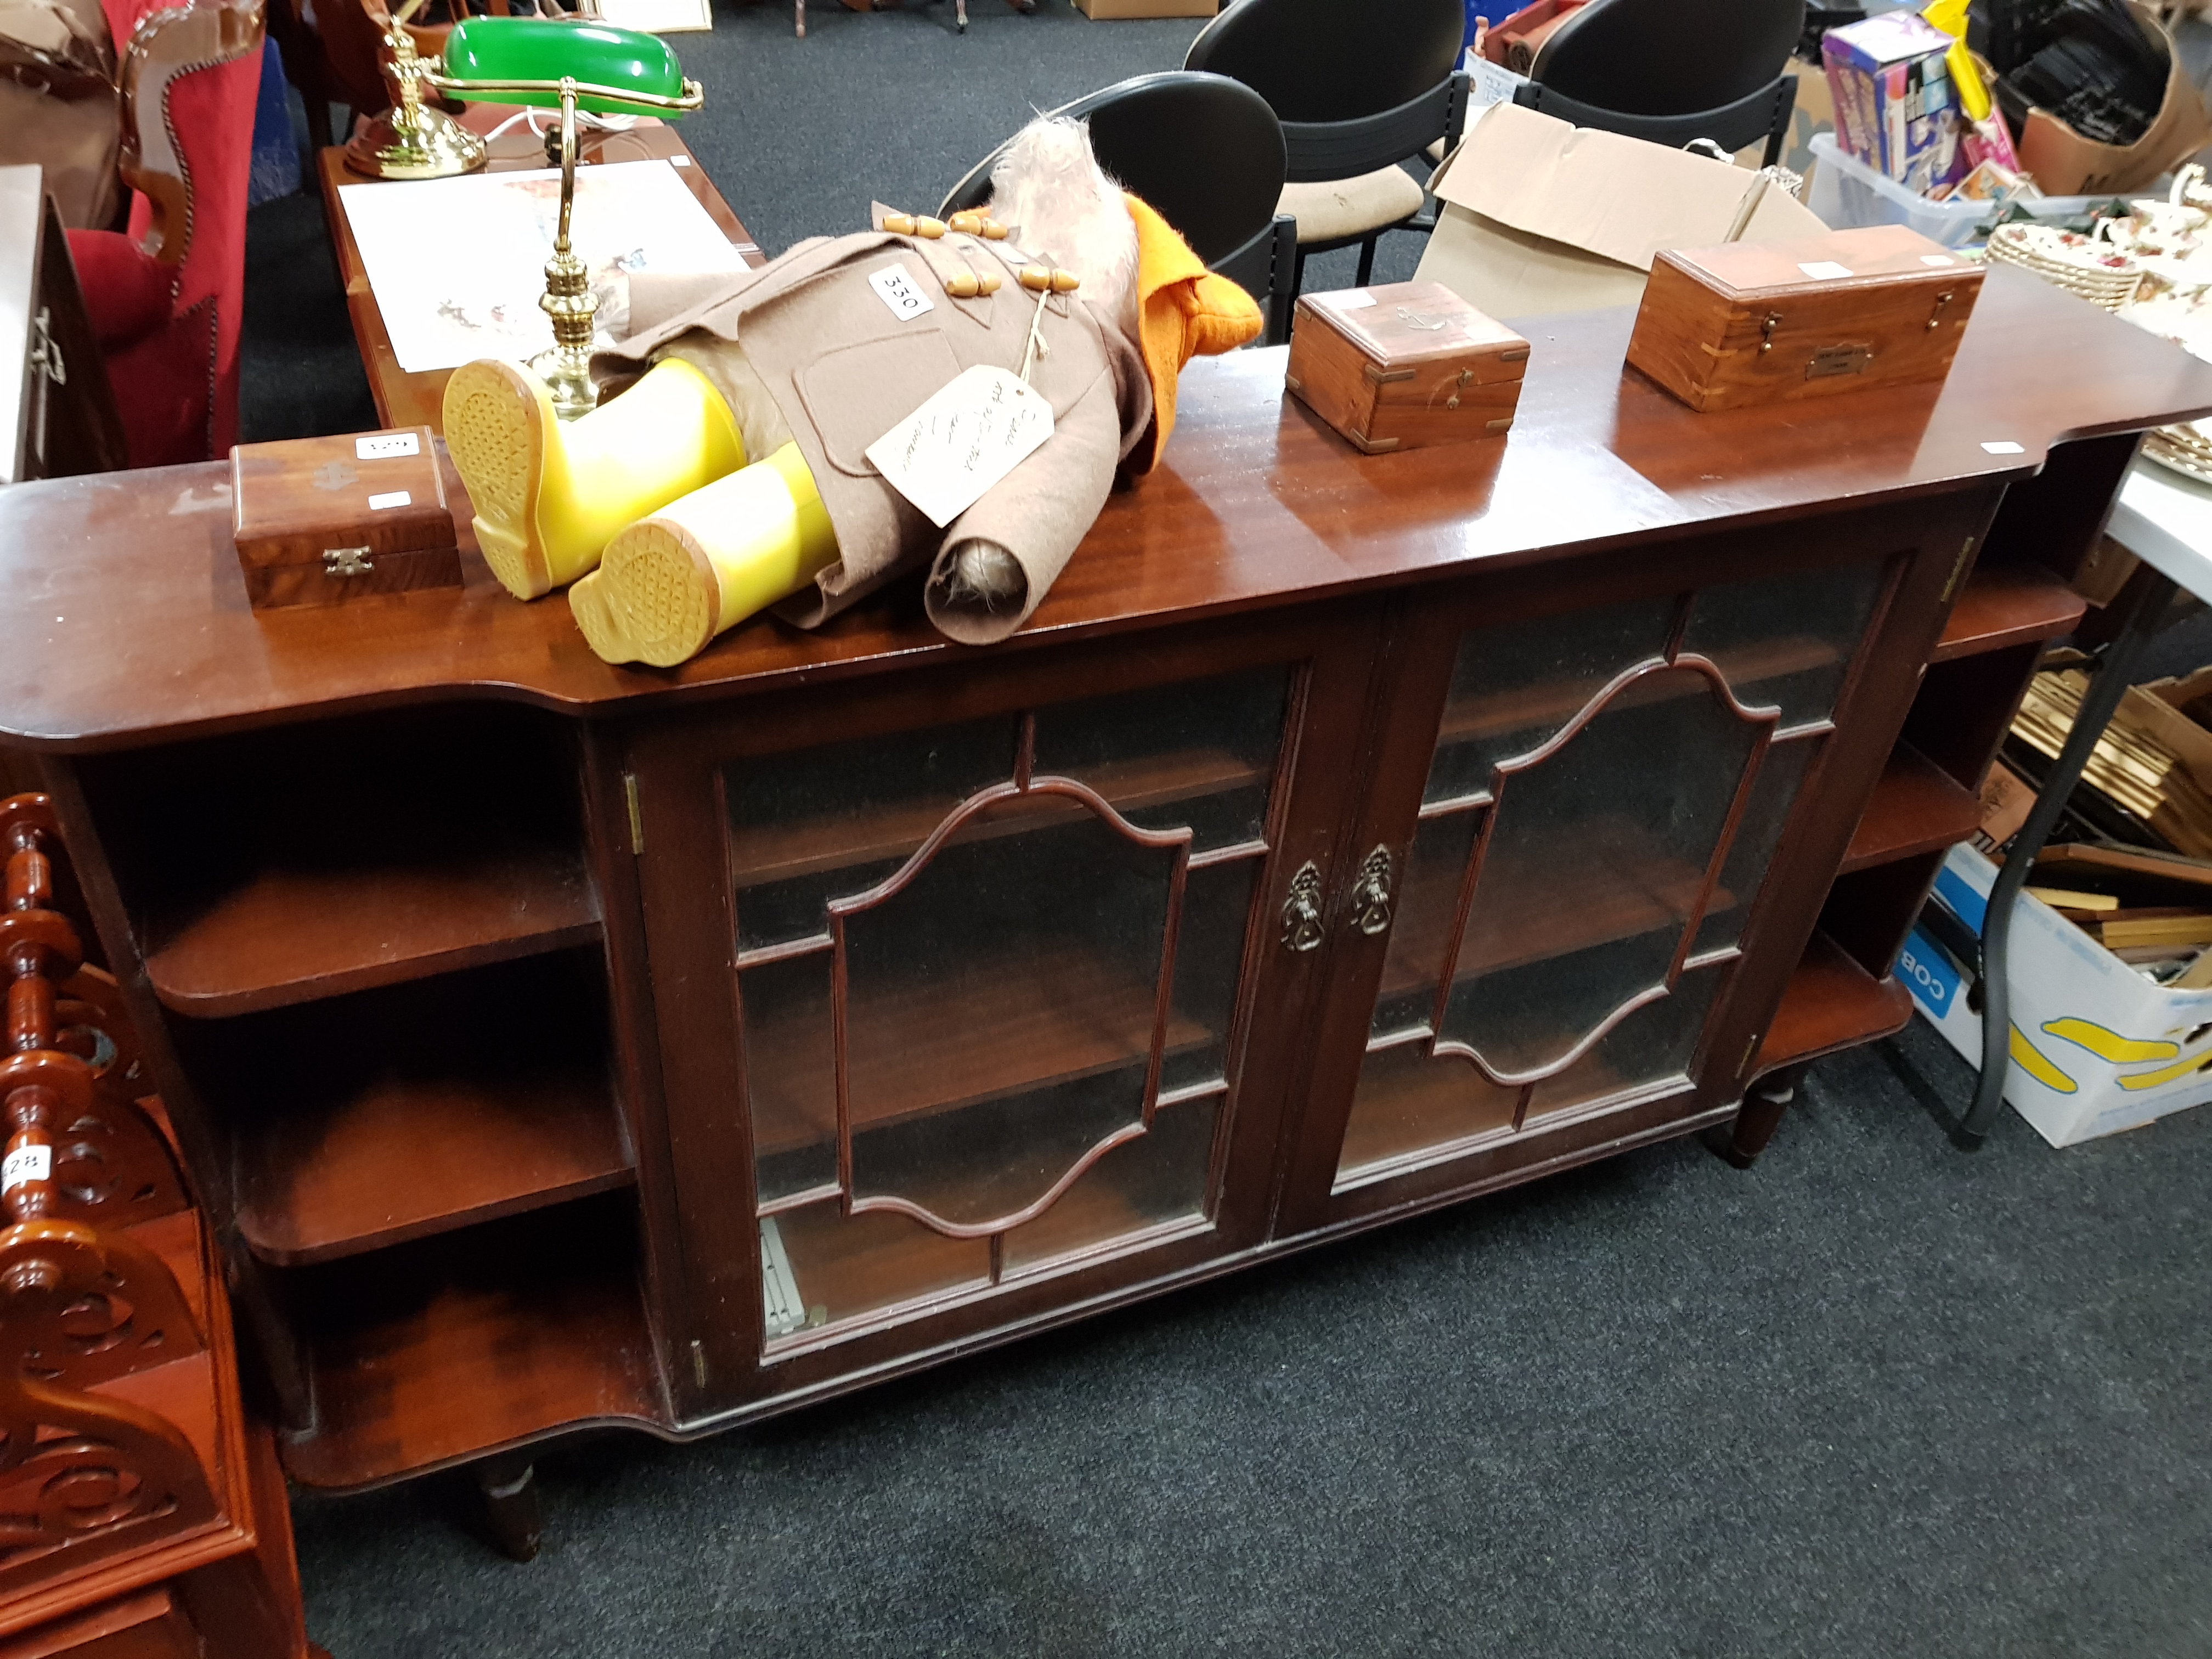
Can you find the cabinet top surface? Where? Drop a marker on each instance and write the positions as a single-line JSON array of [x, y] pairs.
[[127, 618]]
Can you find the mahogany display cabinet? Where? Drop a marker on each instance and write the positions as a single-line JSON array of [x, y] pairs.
[[557, 1045]]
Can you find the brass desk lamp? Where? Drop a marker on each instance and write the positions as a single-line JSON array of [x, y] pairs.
[[550, 64], [412, 140]]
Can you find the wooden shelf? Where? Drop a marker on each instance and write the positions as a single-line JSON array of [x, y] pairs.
[[1832, 1003], [1552, 703], [289, 935], [939, 1045], [405, 1158], [432, 1353], [1915, 808], [792, 848], [2008, 604], [1611, 898]]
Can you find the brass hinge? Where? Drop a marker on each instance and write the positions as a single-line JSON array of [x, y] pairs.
[[1957, 570], [636, 816]]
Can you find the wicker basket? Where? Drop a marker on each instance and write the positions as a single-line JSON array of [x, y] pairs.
[[2089, 266]]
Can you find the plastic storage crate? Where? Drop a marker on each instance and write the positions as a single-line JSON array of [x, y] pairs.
[[1846, 194]]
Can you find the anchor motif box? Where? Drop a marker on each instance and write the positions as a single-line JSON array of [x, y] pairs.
[[1404, 366], [323, 520]]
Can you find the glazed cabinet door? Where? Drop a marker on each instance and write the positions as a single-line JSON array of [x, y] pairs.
[[957, 978], [1585, 794]]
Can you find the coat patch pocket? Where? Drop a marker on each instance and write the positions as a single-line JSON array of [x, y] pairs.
[[856, 393]]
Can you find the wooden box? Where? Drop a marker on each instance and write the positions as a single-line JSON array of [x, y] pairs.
[[1404, 366], [1768, 322], [322, 520]]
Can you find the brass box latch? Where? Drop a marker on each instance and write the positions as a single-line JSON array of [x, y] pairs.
[[347, 562]]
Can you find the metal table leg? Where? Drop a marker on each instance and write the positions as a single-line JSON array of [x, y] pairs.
[[2112, 678]]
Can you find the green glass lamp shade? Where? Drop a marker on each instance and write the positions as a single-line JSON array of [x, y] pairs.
[[521, 60]]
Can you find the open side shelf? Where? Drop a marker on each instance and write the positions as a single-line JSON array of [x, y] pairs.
[[2008, 604], [289, 934], [1832, 1003], [359, 1122], [446, 1349], [1915, 808]]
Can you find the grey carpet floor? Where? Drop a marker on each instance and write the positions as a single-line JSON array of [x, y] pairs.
[[1875, 1397]]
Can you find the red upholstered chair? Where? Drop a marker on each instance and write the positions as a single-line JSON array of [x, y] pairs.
[[164, 296]]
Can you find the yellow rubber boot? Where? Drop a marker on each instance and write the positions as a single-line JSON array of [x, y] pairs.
[[670, 583], [550, 495]]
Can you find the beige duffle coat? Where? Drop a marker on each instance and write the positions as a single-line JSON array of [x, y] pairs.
[[842, 367]]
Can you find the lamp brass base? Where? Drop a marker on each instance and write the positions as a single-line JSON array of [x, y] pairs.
[[432, 145], [566, 372]]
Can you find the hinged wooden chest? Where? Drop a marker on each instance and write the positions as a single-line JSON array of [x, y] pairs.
[[322, 520], [1767, 323], [1404, 366]]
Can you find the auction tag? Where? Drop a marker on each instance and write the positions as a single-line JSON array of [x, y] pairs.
[[390, 498], [1825, 271], [900, 292], [978, 426], [386, 446], [25, 1163]]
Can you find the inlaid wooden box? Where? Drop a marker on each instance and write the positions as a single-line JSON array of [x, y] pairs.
[[1404, 366], [322, 520], [1767, 323]]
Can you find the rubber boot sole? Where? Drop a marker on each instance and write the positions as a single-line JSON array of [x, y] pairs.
[[654, 598], [497, 422]]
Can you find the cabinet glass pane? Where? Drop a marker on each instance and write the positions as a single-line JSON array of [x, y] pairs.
[[835, 1268], [993, 1021], [1157, 1178], [1007, 962], [838, 819], [1409, 1100], [1200, 754], [1785, 641], [1594, 869], [1209, 954], [1654, 1044], [1421, 933], [1515, 685], [791, 1082], [1781, 776]]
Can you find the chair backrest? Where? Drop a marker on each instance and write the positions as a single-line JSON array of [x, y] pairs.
[[1318, 60], [1205, 153], [1669, 57], [1763, 114]]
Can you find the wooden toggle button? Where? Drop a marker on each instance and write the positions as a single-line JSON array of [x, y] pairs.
[[899, 224], [962, 285], [1038, 280]]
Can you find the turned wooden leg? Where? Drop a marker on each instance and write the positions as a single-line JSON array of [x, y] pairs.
[[1764, 1103], [508, 1485]]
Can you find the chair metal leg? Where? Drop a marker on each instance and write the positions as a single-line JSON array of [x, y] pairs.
[[2097, 702], [1367, 261], [799, 18]]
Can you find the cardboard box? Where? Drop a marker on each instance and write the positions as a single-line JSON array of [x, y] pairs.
[[2096, 1047], [1540, 217], [1896, 109], [2065, 163], [1100, 11]]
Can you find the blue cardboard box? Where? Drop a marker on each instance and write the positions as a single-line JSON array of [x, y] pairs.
[[1896, 109]]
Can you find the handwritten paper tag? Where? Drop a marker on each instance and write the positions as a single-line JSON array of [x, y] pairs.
[[978, 426], [25, 1163], [386, 446], [900, 292]]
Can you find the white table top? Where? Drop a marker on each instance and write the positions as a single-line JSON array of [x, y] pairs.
[[2165, 519]]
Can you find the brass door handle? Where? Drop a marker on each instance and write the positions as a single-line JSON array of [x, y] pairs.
[[1301, 927], [1370, 894]]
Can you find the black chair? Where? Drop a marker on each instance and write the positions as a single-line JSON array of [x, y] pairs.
[[1359, 86], [1206, 155], [1671, 71]]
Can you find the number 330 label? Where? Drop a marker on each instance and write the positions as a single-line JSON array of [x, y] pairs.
[[900, 292]]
